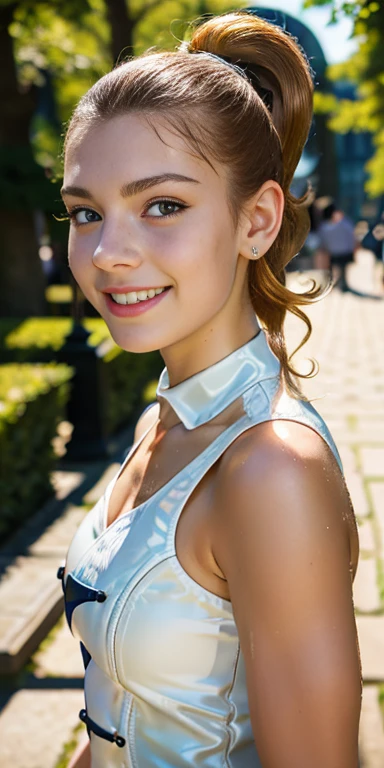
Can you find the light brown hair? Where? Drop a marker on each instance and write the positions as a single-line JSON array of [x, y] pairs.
[[224, 120]]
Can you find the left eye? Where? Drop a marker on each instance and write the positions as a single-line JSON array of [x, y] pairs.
[[163, 208]]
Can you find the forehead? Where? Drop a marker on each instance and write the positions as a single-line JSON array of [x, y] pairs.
[[132, 145]]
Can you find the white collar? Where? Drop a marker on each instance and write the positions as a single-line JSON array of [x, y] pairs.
[[204, 395]]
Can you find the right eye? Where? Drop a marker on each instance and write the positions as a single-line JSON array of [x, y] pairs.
[[81, 216]]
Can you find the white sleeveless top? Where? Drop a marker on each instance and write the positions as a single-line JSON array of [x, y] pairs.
[[165, 679]]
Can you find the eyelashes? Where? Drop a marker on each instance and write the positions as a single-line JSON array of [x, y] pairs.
[[73, 212], [162, 202], [70, 215], [165, 202]]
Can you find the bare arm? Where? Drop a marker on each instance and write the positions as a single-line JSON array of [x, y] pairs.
[[283, 544], [81, 757]]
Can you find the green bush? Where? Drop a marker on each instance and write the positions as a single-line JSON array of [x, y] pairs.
[[59, 294], [32, 402], [39, 338], [124, 375], [127, 377]]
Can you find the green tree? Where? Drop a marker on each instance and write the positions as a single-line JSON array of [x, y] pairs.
[[365, 69], [24, 187], [62, 46]]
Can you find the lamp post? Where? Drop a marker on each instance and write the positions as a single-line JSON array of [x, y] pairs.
[[85, 409]]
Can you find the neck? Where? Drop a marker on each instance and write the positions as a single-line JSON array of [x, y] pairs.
[[205, 348], [207, 393], [167, 416]]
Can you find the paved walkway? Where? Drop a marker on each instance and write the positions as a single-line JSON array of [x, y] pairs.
[[38, 721], [348, 343]]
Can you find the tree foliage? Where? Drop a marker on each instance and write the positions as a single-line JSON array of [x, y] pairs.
[[51, 52], [69, 45], [365, 69]]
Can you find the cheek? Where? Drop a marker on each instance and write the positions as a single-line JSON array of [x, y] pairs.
[[203, 250], [204, 271], [81, 266], [79, 256]]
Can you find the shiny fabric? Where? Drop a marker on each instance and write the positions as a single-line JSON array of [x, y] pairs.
[[166, 672]]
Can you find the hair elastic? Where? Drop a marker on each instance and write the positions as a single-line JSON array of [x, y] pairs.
[[246, 69]]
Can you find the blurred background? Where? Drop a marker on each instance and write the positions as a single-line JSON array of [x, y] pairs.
[[69, 397]]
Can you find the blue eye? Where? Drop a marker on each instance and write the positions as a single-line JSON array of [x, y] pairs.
[[87, 214]]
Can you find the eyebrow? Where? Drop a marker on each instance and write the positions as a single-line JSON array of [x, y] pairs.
[[133, 187]]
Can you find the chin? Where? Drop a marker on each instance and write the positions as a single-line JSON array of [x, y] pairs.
[[134, 342]]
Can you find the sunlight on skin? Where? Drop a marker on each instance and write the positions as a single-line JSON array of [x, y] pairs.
[[281, 430]]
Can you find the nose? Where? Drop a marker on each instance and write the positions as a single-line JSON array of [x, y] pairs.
[[116, 248]]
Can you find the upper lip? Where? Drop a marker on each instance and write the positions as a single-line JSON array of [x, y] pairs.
[[131, 288]]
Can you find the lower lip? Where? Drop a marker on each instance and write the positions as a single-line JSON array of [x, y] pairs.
[[131, 310]]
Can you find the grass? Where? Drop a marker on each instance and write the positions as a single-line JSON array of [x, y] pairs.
[[380, 578], [50, 637], [70, 746], [381, 701], [377, 537]]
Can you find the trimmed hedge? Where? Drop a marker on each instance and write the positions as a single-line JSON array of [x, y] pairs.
[[128, 376], [26, 452], [37, 339], [124, 375]]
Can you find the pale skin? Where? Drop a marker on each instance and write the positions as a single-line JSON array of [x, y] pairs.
[[270, 526]]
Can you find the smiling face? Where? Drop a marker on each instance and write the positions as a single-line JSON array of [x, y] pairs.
[[147, 214]]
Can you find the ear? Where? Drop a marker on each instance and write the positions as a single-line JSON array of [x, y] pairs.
[[261, 220]]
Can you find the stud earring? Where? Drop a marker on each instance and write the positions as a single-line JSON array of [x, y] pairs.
[[255, 252]]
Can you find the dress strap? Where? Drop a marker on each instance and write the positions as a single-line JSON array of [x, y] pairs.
[[258, 409]]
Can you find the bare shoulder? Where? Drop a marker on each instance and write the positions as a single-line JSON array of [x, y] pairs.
[[146, 420], [281, 449], [282, 476], [281, 539]]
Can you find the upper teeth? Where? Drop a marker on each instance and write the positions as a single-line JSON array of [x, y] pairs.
[[133, 296]]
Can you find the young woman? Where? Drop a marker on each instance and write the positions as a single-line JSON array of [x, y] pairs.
[[211, 586]]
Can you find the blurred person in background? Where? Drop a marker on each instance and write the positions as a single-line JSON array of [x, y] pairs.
[[337, 243]]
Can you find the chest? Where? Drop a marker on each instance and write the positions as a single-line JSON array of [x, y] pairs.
[[154, 465], [150, 598]]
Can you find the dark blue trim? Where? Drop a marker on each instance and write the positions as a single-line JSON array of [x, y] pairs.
[[60, 572], [76, 593], [100, 597], [114, 738], [85, 654]]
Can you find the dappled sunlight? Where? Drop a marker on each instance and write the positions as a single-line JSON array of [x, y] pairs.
[[280, 429]]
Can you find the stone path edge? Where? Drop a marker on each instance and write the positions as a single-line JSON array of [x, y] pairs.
[[16, 654], [18, 646]]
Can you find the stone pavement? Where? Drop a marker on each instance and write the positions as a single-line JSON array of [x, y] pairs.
[[348, 343], [39, 719]]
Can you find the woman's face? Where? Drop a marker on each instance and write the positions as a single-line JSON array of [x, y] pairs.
[[147, 215]]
